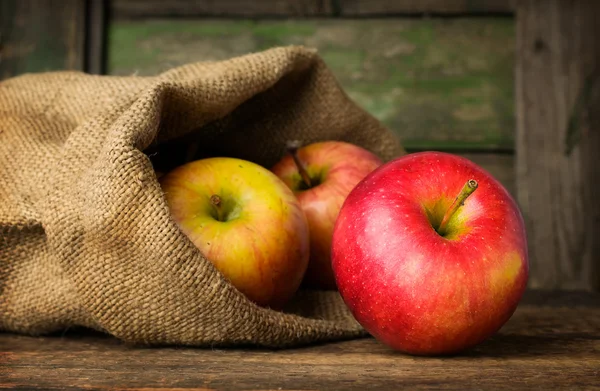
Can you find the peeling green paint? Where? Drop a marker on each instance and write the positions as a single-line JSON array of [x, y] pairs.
[[439, 83]]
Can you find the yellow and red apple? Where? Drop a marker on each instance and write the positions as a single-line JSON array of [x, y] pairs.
[[430, 254], [321, 175], [245, 221]]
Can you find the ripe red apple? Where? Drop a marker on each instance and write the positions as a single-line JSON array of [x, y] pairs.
[[244, 220], [321, 175], [430, 254]]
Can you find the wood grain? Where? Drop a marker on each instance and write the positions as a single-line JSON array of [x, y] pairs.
[[390, 7], [224, 8], [96, 31], [303, 8], [543, 346], [41, 35], [558, 59], [439, 84]]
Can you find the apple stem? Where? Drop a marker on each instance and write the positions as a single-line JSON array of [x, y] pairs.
[[292, 148], [216, 201], [459, 201]]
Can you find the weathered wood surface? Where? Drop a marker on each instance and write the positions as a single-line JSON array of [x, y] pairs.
[[552, 342], [224, 8], [303, 8], [439, 83], [558, 139], [448, 7], [96, 29], [41, 35]]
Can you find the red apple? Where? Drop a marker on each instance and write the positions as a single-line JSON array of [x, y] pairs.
[[423, 268], [244, 220], [321, 175]]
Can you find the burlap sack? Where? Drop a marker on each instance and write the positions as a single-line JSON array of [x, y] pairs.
[[86, 238]]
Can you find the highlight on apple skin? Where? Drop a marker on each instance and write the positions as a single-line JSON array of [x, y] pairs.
[[322, 174], [245, 221], [430, 254]]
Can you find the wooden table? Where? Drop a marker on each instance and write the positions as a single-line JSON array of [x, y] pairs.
[[552, 342]]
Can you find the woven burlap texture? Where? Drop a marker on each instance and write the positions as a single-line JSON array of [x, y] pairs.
[[86, 238]]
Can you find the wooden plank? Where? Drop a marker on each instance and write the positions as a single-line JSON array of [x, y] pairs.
[[439, 83], [558, 176], [41, 35], [304, 8], [541, 347], [95, 47], [212, 8], [373, 8]]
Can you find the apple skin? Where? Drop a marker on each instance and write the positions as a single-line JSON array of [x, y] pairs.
[[409, 287], [337, 166], [261, 241]]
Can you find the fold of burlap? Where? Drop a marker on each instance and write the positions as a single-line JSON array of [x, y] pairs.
[[86, 238]]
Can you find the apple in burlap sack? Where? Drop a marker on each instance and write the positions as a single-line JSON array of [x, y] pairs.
[[244, 220], [322, 174]]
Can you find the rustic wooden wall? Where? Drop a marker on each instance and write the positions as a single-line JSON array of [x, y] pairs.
[[558, 140], [48, 35], [443, 74], [439, 83], [310, 8]]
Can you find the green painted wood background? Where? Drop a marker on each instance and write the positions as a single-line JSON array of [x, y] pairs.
[[439, 83], [442, 82], [39, 36]]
